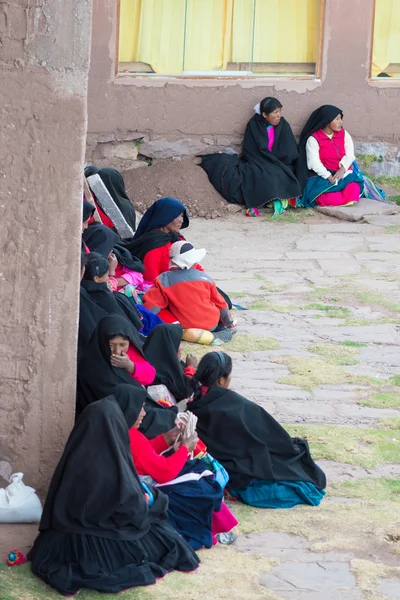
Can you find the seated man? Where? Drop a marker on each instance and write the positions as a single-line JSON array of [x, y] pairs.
[[187, 295]]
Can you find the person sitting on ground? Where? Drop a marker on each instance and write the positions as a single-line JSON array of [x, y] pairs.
[[101, 529], [267, 468], [265, 172], [96, 282], [187, 295], [116, 353], [115, 184], [195, 508], [326, 161], [87, 213], [89, 313], [159, 228]]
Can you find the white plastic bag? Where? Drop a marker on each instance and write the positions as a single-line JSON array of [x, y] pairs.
[[161, 392], [19, 502]]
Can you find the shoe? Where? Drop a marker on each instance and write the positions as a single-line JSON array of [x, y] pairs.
[[227, 538]]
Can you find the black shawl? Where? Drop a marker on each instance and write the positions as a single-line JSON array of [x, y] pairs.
[[97, 378], [149, 241], [104, 240], [320, 118], [89, 317], [87, 211], [130, 400], [161, 350], [95, 489], [115, 184], [259, 176], [249, 443], [113, 303]]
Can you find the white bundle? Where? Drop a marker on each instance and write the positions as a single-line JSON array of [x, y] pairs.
[[187, 422]]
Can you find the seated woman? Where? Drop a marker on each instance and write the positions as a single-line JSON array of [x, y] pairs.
[[128, 270], [327, 161], [89, 313], [195, 508], [267, 468], [115, 185], [115, 354], [99, 529], [158, 229], [96, 282], [87, 213], [265, 172]]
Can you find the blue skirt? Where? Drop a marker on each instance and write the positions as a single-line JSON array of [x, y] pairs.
[[278, 494]]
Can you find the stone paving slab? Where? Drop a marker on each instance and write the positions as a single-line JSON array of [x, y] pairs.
[[358, 211], [383, 220], [331, 244], [391, 588], [302, 581], [336, 471]]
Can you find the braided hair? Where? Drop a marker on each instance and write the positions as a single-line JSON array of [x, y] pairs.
[[212, 367]]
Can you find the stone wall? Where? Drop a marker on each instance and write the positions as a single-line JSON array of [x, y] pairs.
[[44, 62], [178, 117]]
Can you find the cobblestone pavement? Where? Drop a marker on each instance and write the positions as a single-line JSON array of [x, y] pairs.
[[322, 355]]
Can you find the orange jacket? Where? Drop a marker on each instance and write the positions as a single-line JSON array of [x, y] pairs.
[[191, 296]]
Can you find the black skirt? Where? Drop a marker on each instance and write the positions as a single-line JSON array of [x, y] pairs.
[[69, 561]]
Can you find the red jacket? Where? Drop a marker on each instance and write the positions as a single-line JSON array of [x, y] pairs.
[[147, 459], [331, 150], [191, 296]]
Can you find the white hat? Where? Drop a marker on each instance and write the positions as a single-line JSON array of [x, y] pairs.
[[184, 255]]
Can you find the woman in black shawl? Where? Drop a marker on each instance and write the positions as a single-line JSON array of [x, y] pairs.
[[95, 282], [115, 185], [267, 468], [97, 377], [266, 169], [99, 530]]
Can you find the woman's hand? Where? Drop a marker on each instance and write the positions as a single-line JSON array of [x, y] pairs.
[[123, 362], [339, 173], [190, 442], [113, 262], [332, 178], [110, 287], [171, 435], [191, 361]]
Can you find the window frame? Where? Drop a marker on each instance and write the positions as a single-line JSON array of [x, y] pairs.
[[382, 82], [157, 77]]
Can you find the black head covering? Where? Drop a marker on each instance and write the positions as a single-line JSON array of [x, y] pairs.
[[89, 316], [249, 443], [103, 240], [130, 400], [90, 170], [161, 350], [115, 184], [320, 118], [88, 210], [98, 378], [95, 489], [112, 303]]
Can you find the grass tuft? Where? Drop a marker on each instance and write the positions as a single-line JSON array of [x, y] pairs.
[[382, 400], [336, 353]]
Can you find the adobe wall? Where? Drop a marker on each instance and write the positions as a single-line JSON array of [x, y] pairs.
[[44, 61], [188, 117]]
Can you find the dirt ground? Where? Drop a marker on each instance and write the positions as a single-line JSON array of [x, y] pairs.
[[318, 347], [181, 179]]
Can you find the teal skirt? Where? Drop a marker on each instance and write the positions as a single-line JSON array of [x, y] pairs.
[[278, 494]]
